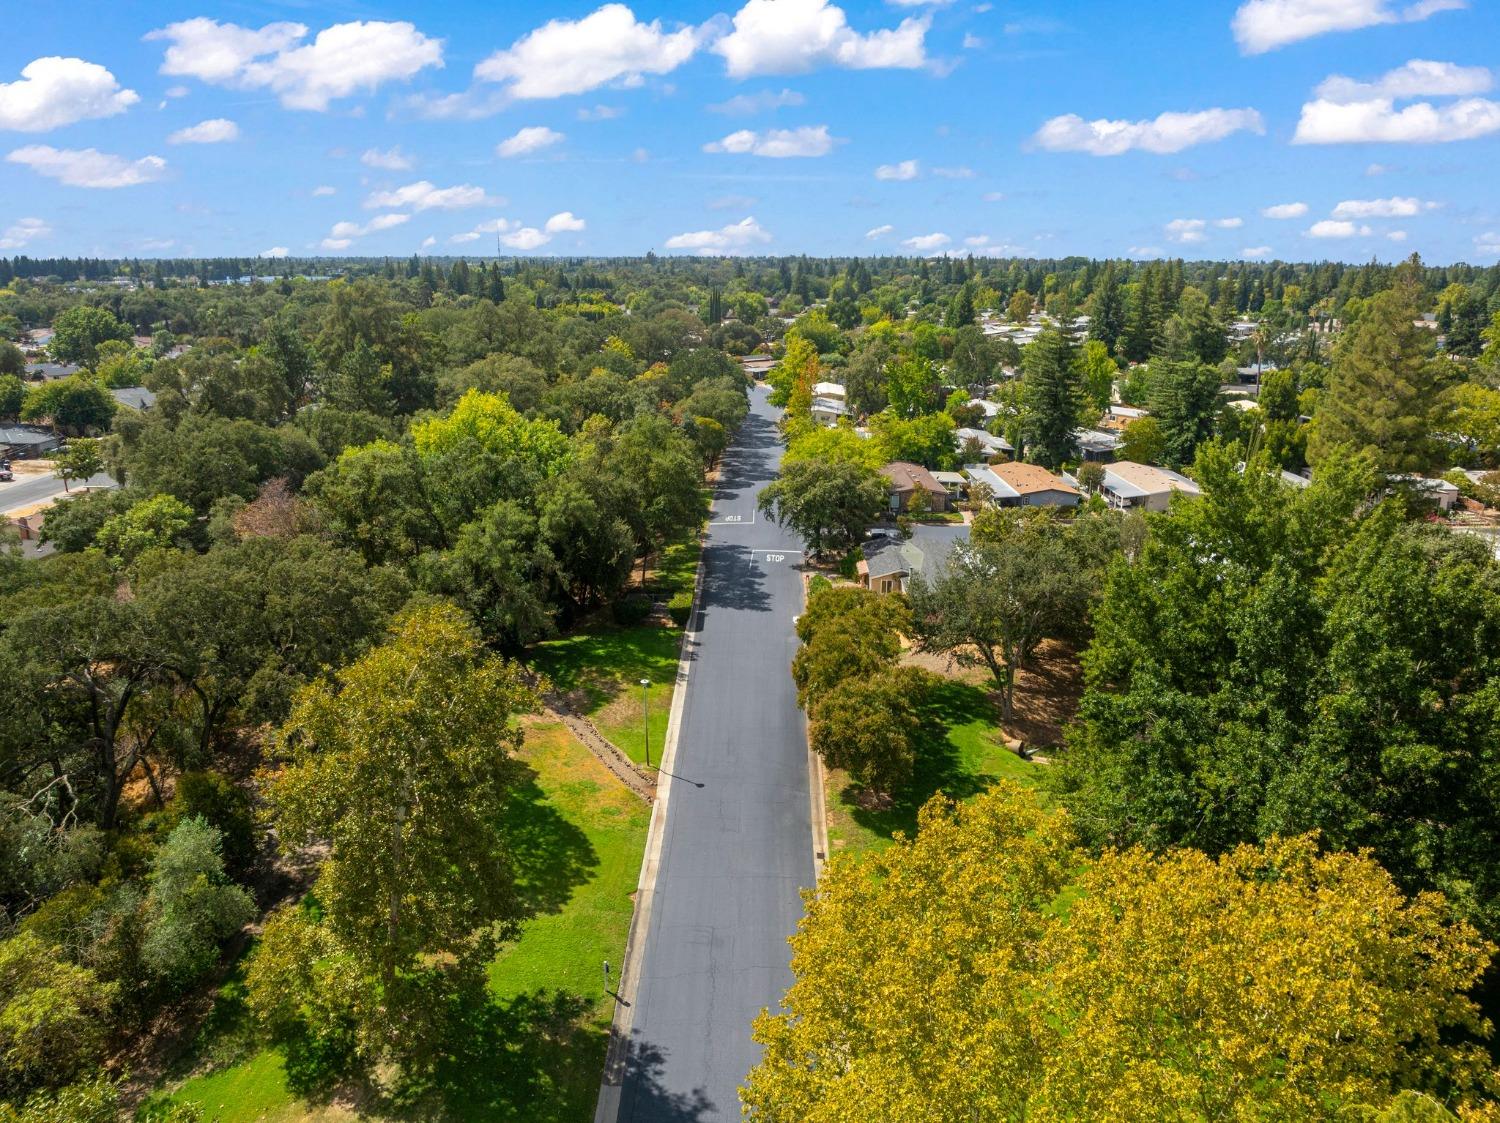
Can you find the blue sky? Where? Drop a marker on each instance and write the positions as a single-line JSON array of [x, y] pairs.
[[1298, 129]]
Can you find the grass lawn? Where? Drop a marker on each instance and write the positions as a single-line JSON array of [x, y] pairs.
[[960, 757], [600, 671], [674, 569], [537, 1051]]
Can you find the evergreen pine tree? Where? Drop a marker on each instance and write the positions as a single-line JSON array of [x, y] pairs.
[[1052, 395], [1385, 391]]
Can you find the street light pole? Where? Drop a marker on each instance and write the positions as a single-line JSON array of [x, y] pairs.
[[646, 715]]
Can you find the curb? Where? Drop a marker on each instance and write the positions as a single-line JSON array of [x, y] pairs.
[[816, 787], [618, 1053]]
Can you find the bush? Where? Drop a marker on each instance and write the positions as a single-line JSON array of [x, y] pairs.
[[680, 608], [818, 584], [214, 798], [93, 1101], [631, 610]]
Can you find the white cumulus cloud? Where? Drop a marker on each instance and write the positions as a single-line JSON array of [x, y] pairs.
[[425, 196], [1229, 223], [1264, 25], [88, 167], [21, 233], [806, 140], [390, 160], [1169, 132], [905, 170], [879, 231], [1256, 251], [531, 139], [1186, 230], [1488, 243], [324, 189], [341, 60], [1395, 207], [343, 234], [275, 251], [573, 56], [564, 221], [53, 92], [1335, 228], [1285, 210], [795, 36], [526, 238], [1377, 120], [727, 239], [1417, 78], [216, 130], [926, 243]]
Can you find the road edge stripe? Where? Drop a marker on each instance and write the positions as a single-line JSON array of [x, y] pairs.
[[622, 1025]]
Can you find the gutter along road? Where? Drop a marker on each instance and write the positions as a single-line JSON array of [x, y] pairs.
[[736, 831]]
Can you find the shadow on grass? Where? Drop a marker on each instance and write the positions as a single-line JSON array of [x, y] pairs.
[[605, 661], [534, 1057], [940, 766], [550, 857]]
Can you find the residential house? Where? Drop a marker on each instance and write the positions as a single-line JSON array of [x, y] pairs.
[[955, 483], [1439, 492], [889, 564], [1023, 485], [828, 404], [136, 397], [1143, 486], [757, 366], [24, 442], [50, 371], [906, 480], [989, 444], [1099, 445], [1124, 415]]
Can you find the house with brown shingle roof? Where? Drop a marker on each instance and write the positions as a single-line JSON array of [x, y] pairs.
[[906, 479], [1023, 485]]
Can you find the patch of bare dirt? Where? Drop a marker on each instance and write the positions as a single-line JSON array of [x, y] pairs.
[[1047, 691]]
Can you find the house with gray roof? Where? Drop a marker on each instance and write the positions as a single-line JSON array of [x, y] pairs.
[[890, 566]]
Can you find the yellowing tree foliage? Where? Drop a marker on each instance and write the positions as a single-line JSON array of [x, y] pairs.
[[950, 978]]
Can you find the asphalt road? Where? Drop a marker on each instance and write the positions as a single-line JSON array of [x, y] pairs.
[[737, 845], [29, 488]]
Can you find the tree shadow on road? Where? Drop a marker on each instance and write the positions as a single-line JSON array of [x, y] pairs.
[[645, 1099], [731, 579]]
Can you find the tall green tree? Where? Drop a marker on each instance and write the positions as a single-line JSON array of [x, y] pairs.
[[1184, 395], [82, 459], [78, 331], [828, 504], [403, 767], [1052, 395], [1280, 659], [1385, 390], [995, 602]]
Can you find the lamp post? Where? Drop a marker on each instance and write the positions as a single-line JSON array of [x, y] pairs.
[[646, 715]]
